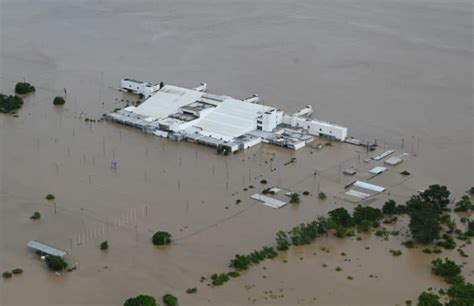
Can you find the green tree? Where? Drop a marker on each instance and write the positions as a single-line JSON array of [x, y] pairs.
[[341, 217], [59, 101], [364, 226], [464, 204], [295, 198], [170, 300], [424, 223], [428, 299], [438, 195], [366, 213], [282, 241], [24, 88], [141, 300], [55, 263], [162, 238], [9, 104], [104, 245], [449, 270], [390, 207], [470, 228], [460, 294]]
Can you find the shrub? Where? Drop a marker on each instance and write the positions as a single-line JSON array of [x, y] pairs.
[[36, 216], [390, 207], [448, 242], [263, 181], [17, 271], [141, 300], [24, 88], [448, 269], [59, 101], [6, 274], [306, 193], [233, 274], [50, 197], [219, 279], [428, 299], [10, 104], [295, 198], [55, 263], [396, 252], [191, 290], [104, 245], [464, 204], [170, 300], [409, 244], [461, 294], [162, 238], [366, 213], [321, 195], [427, 251], [404, 172], [282, 241]]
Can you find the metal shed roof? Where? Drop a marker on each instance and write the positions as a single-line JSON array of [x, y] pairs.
[[39, 246]]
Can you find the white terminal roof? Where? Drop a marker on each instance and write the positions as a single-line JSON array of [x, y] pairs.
[[42, 247], [167, 101], [231, 118]]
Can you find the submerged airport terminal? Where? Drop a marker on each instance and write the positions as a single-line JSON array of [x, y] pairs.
[[219, 121]]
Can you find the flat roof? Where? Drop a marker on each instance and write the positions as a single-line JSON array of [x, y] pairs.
[[231, 118], [167, 101], [267, 201], [42, 247]]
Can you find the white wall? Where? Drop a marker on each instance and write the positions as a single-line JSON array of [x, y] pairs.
[[316, 127]]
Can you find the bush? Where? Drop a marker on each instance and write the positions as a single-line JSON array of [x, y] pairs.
[[162, 238], [6, 274], [191, 290], [428, 299], [59, 101], [461, 294], [321, 195], [17, 271], [141, 300], [366, 213], [295, 198], [24, 88], [263, 181], [233, 274], [464, 204], [396, 252], [55, 263], [449, 270], [219, 279], [104, 245], [50, 197], [306, 193], [36, 216], [282, 241], [405, 173], [409, 244], [390, 207], [9, 104], [170, 300]]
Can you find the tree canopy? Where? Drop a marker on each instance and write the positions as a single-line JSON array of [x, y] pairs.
[[161, 238], [141, 300], [429, 299], [9, 104], [55, 263], [341, 217], [24, 88]]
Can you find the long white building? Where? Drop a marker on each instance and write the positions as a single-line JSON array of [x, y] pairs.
[[221, 121]]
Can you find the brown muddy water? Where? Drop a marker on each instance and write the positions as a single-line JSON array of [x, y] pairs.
[[391, 70]]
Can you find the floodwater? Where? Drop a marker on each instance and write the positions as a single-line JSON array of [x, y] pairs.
[[396, 71]]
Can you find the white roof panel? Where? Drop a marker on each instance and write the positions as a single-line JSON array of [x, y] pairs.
[[39, 246], [377, 170], [369, 186], [167, 101], [267, 201], [231, 118]]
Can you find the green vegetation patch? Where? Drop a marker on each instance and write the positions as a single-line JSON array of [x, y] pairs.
[[10, 104], [24, 88]]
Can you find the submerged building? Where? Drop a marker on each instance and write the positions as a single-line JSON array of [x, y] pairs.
[[223, 122]]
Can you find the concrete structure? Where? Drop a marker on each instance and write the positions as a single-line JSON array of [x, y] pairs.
[[219, 121], [139, 87]]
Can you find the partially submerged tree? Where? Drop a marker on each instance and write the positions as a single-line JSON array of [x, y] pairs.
[[429, 299], [449, 270], [141, 300], [55, 263], [340, 216], [24, 88], [10, 104], [170, 300], [424, 221], [59, 101], [162, 238], [295, 198]]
